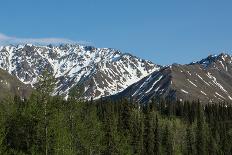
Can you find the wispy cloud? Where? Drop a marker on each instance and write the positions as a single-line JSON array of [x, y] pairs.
[[5, 40]]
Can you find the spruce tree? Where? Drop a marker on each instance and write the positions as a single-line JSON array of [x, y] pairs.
[[200, 131], [211, 144], [45, 87], [157, 140], [89, 130], [62, 135], [111, 136], [167, 141], [125, 118], [149, 132], [189, 142], [137, 132]]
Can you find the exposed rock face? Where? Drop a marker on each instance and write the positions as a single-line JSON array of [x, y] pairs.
[[100, 71], [208, 80]]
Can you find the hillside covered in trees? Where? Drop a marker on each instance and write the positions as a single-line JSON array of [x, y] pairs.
[[46, 125]]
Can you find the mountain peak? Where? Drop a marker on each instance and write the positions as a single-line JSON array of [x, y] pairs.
[[207, 80], [224, 57], [99, 71], [212, 59]]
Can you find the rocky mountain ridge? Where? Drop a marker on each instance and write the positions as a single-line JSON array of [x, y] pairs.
[[98, 71], [208, 80], [101, 72]]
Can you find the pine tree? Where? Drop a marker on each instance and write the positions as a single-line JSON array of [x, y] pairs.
[[226, 136], [200, 132], [45, 87], [167, 141], [146, 131], [211, 143], [62, 136], [157, 140], [149, 132], [110, 133], [189, 142], [137, 132], [20, 132], [2, 128], [76, 92], [89, 130], [125, 118]]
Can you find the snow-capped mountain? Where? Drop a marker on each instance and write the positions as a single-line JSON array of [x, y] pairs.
[[99, 71], [208, 80]]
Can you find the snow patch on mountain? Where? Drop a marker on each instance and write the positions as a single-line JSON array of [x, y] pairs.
[[101, 71]]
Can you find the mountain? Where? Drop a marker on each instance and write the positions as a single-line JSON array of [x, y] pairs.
[[11, 86], [208, 80], [96, 71]]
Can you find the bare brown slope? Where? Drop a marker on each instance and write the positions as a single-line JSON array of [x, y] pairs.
[[208, 80], [11, 86]]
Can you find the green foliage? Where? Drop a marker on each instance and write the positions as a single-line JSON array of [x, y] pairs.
[[189, 142], [167, 142], [157, 139], [200, 131], [20, 131], [46, 83], [76, 92], [89, 129], [44, 124]]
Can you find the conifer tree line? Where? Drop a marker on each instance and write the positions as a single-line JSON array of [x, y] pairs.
[[46, 125]]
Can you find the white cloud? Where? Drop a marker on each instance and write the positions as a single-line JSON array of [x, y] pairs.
[[4, 37], [4, 40]]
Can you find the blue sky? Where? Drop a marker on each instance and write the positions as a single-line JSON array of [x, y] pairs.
[[163, 31]]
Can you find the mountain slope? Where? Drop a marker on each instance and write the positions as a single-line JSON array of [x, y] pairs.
[[99, 71], [208, 80], [11, 86]]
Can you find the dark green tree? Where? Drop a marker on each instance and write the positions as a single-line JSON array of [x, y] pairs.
[[45, 88], [200, 131], [77, 92], [189, 142], [157, 139], [167, 142], [149, 138]]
